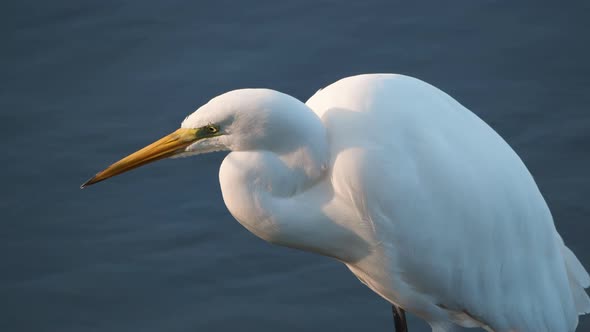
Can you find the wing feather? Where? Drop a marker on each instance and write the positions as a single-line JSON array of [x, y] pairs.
[[457, 215]]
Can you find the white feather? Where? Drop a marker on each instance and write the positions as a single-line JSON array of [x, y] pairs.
[[424, 202]]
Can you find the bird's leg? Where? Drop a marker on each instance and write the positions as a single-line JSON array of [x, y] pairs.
[[399, 319]]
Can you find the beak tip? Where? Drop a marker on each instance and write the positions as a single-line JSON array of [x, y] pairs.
[[91, 181]]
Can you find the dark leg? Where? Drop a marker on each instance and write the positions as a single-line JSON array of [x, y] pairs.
[[399, 319]]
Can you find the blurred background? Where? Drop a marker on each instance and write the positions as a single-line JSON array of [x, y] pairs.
[[85, 82]]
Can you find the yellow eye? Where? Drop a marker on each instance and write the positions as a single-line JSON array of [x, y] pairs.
[[211, 129]]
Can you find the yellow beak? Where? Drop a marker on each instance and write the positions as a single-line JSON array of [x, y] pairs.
[[163, 148]]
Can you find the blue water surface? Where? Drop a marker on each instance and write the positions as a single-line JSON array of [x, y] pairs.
[[86, 82]]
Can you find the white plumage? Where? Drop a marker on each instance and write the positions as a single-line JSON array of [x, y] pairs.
[[424, 202], [465, 233]]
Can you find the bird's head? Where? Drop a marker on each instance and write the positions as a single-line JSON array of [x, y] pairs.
[[239, 120]]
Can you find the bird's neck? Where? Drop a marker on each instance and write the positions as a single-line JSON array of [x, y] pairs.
[[281, 198]]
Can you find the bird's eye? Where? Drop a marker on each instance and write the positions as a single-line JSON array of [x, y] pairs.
[[212, 129]]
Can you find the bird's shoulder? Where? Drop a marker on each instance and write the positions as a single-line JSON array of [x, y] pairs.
[[451, 205]]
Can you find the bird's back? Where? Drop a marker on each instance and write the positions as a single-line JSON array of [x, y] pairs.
[[459, 227]]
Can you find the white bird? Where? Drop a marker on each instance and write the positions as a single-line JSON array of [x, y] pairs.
[[425, 203]]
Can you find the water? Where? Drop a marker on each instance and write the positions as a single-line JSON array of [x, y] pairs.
[[84, 83]]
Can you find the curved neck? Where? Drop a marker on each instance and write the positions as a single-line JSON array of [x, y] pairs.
[[263, 193], [280, 195], [261, 188]]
